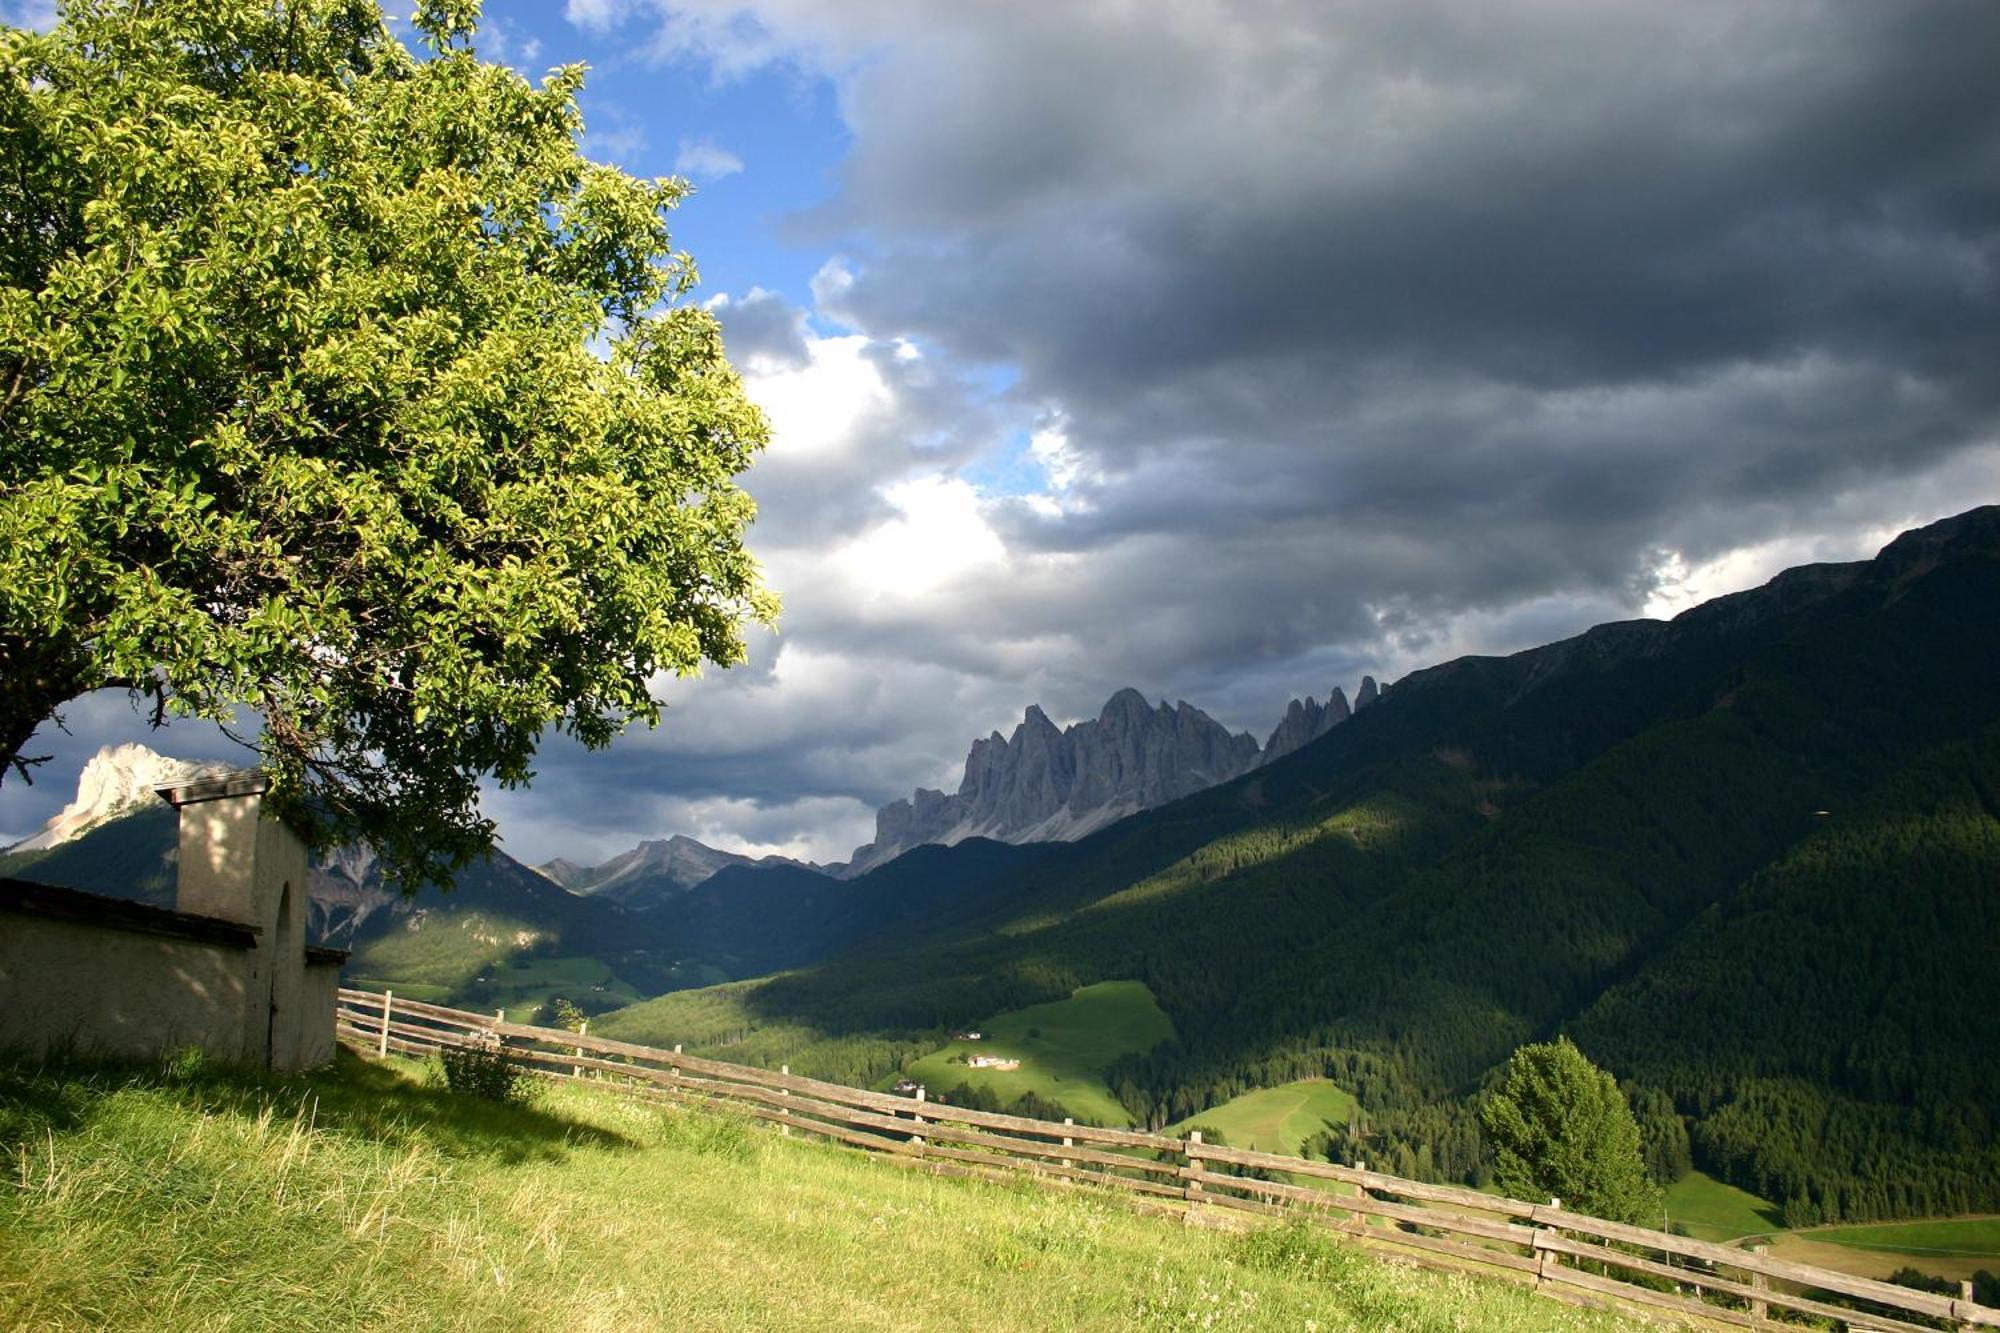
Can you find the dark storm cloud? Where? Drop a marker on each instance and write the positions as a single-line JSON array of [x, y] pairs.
[[1375, 334], [1452, 305], [1544, 196], [1382, 333]]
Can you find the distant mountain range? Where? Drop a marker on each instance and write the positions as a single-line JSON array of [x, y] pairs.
[[1748, 858], [1041, 784], [508, 935], [654, 871]]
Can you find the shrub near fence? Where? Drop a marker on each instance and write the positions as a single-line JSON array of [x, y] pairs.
[[1564, 1254]]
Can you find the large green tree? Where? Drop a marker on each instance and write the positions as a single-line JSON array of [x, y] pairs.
[[337, 386], [1560, 1128]]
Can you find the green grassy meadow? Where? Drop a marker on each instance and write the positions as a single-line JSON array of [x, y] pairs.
[[1712, 1210], [367, 1197], [445, 951], [1946, 1247], [1276, 1119], [520, 984], [1064, 1048], [1954, 1237], [1949, 1247]]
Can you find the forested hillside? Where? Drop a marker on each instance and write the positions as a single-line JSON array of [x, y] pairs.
[[1566, 838], [1830, 1029]]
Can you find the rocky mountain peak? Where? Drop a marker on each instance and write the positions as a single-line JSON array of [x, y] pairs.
[[1306, 720], [1367, 694], [656, 869], [117, 780], [1045, 783]]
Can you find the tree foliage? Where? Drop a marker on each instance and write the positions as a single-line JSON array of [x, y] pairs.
[[1560, 1128], [337, 384]]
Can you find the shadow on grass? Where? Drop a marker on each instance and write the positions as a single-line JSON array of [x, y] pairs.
[[353, 1096]]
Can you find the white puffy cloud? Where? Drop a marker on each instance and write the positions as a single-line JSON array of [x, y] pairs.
[[706, 160], [938, 537]]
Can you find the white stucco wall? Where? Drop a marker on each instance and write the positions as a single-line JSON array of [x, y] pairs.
[[92, 990]]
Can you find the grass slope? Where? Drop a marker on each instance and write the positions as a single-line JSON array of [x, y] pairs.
[[1954, 1237], [361, 1198], [1951, 1247], [519, 985], [1276, 1119], [1713, 1210], [1064, 1048]]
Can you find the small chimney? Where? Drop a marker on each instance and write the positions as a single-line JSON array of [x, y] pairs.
[[220, 842]]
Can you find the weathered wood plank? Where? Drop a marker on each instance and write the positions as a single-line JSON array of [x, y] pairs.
[[456, 1017], [1470, 1254], [1867, 1289], [1715, 1282], [1350, 1175], [1660, 1300], [1471, 1226]]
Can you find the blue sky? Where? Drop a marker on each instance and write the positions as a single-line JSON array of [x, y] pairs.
[[1229, 349], [762, 146]]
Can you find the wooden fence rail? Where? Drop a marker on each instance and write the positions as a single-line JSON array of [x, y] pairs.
[[1564, 1254]]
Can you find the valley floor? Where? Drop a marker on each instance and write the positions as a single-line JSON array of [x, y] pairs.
[[1946, 1247], [365, 1196]]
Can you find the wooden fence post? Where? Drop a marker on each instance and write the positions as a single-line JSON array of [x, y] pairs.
[[1758, 1308], [917, 1115], [786, 1070], [583, 1030], [674, 1071], [1191, 1150], [388, 999], [1068, 1142], [1549, 1258]]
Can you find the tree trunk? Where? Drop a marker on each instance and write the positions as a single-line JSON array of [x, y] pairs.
[[37, 676]]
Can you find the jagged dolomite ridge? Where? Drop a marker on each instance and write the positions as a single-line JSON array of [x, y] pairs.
[[1047, 784], [1050, 784], [1306, 721], [117, 780]]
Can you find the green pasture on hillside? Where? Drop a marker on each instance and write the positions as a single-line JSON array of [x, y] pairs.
[[1064, 1048], [1712, 1210], [1954, 1248], [522, 985], [368, 1197], [442, 950], [459, 963], [1945, 1237], [1945, 1247], [1276, 1120]]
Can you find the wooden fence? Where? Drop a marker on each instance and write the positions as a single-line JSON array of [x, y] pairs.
[[1565, 1255]]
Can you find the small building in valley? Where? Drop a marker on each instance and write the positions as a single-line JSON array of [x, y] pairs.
[[1000, 1062], [227, 969]]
